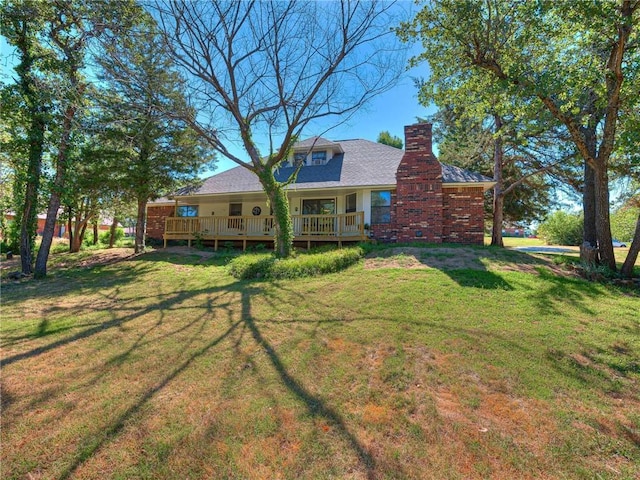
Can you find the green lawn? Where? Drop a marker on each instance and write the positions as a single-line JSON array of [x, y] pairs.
[[164, 366], [517, 241]]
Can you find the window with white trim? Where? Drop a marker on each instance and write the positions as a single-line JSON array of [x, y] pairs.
[[381, 206], [187, 211], [318, 158]]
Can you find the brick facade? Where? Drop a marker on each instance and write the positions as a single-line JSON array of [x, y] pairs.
[[419, 189], [463, 215], [422, 210], [155, 220]]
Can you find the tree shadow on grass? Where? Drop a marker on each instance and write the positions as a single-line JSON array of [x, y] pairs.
[[461, 263], [121, 315], [315, 406], [90, 449], [82, 281], [165, 302]]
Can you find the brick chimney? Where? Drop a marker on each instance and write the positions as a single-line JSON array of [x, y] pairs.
[[419, 188]]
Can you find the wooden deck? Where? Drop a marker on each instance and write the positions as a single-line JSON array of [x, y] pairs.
[[310, 228]]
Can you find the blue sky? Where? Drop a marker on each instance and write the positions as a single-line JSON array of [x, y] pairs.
[[390, 111]]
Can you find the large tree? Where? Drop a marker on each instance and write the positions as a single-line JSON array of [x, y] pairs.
[[518, 152], [274, 70], [69, 30], [386, 138], [30, 104], [156, 151], [577, 60]]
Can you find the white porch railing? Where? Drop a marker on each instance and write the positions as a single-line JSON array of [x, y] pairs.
[[338, 226]]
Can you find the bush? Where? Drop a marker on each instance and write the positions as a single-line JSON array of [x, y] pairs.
[[623, 223], [266, 265], [104, 236], [562, 228]]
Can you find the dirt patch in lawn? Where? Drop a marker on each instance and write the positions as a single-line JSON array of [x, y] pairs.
[[447, 258]]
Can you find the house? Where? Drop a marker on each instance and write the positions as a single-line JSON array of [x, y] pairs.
[[346, 191], [61, 226], [59, 229]]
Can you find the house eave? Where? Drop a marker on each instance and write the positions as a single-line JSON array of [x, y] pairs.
[[291, 189], [295, 188], [485, 185]]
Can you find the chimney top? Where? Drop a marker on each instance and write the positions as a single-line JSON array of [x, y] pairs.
[[417, 138]]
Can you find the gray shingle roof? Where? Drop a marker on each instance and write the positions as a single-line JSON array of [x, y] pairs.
[[364, 163], [315, 142]]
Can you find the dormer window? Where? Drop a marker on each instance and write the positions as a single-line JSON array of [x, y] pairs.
[[299, 158], [319, 158]]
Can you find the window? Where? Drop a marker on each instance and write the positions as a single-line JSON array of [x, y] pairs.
[[299, 158], [235, 209], [319, 207], [381, 207], [188, 211], [350, 203], [318, 158]]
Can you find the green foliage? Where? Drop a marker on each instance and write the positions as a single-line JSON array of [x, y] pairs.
[[577, 62], [469, 143], [104, 237], [387, 139], [623, 223], [265, 265], [562, 228]]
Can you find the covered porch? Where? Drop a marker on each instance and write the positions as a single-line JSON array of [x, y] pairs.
[[344, 227]]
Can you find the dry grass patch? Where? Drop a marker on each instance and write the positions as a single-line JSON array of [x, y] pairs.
[[446, 258], [163, 366]]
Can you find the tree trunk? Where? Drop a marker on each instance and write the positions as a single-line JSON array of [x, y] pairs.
[[112, 232], [38, 111], [603, 221], [589, 207], [280, 205], [498, 218], [80, 227], [632, 256], [498, 196], [140, 225], [56, 192], [70, 226], [29, 220], [95, 232]]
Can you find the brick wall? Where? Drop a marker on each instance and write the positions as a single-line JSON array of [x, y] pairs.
[[155, 220], [418, 205], [463, 215]]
